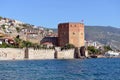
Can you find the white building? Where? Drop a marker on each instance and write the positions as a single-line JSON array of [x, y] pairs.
[[93, 43], [112, 53]]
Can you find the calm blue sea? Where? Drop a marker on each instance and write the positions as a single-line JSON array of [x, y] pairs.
[[77, 69]]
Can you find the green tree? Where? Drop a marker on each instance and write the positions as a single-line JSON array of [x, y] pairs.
[[93, 50], [68, 46], [107, 48], [3, 45], [18, 29], [28, 44], [3, 26], [19, 42]]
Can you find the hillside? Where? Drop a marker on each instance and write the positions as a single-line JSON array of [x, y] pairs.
[[106, 35], [11, 28]]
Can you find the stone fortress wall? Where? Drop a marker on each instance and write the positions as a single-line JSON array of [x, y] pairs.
[[11, 54], [41, 54], [20, 54], [65, 54]]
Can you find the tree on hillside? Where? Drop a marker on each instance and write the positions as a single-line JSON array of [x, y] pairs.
[[18, 29], [3, 26], [17, 41]]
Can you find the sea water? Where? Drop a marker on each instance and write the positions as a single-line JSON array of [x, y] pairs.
[[74, 69]]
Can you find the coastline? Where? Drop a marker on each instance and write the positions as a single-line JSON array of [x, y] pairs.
[[53, 59]]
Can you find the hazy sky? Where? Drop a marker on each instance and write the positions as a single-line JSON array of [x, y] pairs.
[[49, 13]]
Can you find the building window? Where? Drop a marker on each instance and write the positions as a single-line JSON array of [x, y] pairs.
[[73, 33]]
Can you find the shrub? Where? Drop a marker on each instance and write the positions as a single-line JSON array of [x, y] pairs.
[[93, 50], [18, 29], [3, 26], [107, 48], [68, 46], [3, 45]]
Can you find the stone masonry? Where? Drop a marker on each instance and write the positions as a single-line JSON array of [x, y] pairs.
[[72, 33]]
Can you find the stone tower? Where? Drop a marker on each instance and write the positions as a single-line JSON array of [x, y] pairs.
[[72, 33]]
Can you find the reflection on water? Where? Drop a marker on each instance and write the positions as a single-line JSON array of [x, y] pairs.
[[87, 69]]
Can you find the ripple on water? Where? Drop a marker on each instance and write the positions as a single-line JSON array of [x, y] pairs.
[[87, 69]]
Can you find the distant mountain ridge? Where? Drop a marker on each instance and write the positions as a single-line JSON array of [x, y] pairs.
[[104, 34]]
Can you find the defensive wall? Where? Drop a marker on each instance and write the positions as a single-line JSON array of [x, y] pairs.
[[65, 54], [33, 54], [41, 54], [11, 54]]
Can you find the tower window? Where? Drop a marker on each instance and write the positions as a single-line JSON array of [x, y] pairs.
[[73, 33]]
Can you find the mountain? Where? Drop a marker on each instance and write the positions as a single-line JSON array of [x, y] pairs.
[[104, 34]]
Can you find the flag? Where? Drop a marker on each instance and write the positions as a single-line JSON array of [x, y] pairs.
[[82, 21]]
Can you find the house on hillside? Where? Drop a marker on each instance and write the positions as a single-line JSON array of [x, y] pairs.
[[96, 44], [7, 40]]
